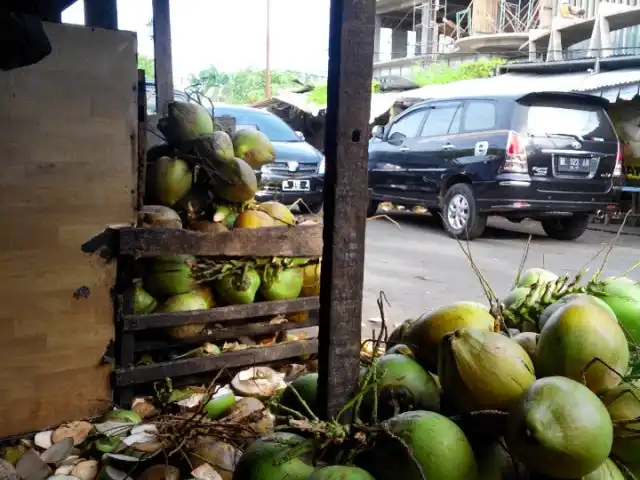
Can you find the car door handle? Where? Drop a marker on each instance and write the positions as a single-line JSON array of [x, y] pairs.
[[404, 149], [448, 146]]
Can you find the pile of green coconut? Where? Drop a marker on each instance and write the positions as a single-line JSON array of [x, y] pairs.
[[204, 179], [541, 386]]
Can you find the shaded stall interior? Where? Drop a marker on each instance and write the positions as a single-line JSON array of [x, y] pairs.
[[72, 130]]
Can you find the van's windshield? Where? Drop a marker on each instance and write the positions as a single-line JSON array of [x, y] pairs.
[[564, 118]]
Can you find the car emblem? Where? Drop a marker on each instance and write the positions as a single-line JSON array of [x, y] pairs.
[[293, 166], [576, 145]]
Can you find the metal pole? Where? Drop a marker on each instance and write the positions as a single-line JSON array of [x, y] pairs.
[[163, 57], [267, 70]]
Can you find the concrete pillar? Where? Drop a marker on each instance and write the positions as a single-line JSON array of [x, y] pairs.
[[424, 34], [101, 14], [376, 39], [399, 39], [484, 16]]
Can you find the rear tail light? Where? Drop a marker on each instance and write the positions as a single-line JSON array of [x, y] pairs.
[[618, 170], [516, 155]]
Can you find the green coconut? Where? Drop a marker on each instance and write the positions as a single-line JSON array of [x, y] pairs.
[[238, 288], [340, 472], [560, 428], [278, 211], [285, 284], [551, 309], [535, 276], [528, 341], [400, 348], [424, 335], [123, 416], [397, 334], [143, 302], [574, 337], [237, 183], [307, 387], [623, 404], [170, 276], [516, 297], [173, 179], [482, 370], [107, 444], [218, 406], [185, 122], [215, 147], [624, 299], [185, 302], [278, 456], [607, 471], [253, 147], [402, 385], [421, 445]]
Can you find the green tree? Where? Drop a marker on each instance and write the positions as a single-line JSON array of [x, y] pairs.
[[147, 64], [244, 86], [439, 74], [319, 93]]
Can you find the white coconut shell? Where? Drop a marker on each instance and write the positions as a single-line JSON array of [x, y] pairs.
[[113, 428], [78, 430], [87, 470], [71, 460], [206, 472], [32, 467], [58, 451], [43, 439], [144, 428], [64, 470]]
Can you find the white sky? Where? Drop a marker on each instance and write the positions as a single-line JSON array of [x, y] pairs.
[[230, 34]]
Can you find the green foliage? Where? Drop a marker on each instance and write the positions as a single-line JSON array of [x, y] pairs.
[[318, 95], [147, 64], [440, 74], [245, 86]]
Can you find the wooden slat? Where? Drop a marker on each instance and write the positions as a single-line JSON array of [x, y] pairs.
[[219, 314], [351, 34], [229, 333], [299, 241], [192, 366]]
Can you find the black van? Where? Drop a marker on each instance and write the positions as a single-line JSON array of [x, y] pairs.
[[552, 157]]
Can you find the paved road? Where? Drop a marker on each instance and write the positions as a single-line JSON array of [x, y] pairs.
[[420, 268]]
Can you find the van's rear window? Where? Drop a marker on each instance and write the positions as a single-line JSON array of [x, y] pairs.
[[540, 116]]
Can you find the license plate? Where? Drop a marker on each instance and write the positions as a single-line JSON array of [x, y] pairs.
[[574, 165], [296, 186]]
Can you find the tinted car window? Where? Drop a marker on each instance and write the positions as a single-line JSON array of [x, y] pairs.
[[271, 125], [439, 121], [568, 117], [408, 125], [479, 115]]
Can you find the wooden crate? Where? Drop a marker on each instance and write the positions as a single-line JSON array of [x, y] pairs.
[[135, 243]]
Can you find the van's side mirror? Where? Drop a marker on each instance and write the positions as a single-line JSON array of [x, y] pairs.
[[377, 131], [300, 135]]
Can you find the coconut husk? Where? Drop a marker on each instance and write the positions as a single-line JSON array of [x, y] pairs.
[[78, 431]]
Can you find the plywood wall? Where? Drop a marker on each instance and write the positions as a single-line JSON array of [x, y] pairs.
[[68, 140]]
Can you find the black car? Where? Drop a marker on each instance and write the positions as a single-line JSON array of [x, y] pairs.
[[552, 157], [298, 171]]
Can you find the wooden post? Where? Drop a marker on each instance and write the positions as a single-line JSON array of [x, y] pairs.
[[101, 14], [163, 59], [351, 39]]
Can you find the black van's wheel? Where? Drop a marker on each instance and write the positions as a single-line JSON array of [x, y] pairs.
[[372, 208], [459, 214], [566, 228]]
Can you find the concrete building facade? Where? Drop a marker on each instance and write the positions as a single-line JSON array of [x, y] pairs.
[[412, 33]]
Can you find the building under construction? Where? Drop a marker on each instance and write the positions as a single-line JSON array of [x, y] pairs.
[[454, 31]]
